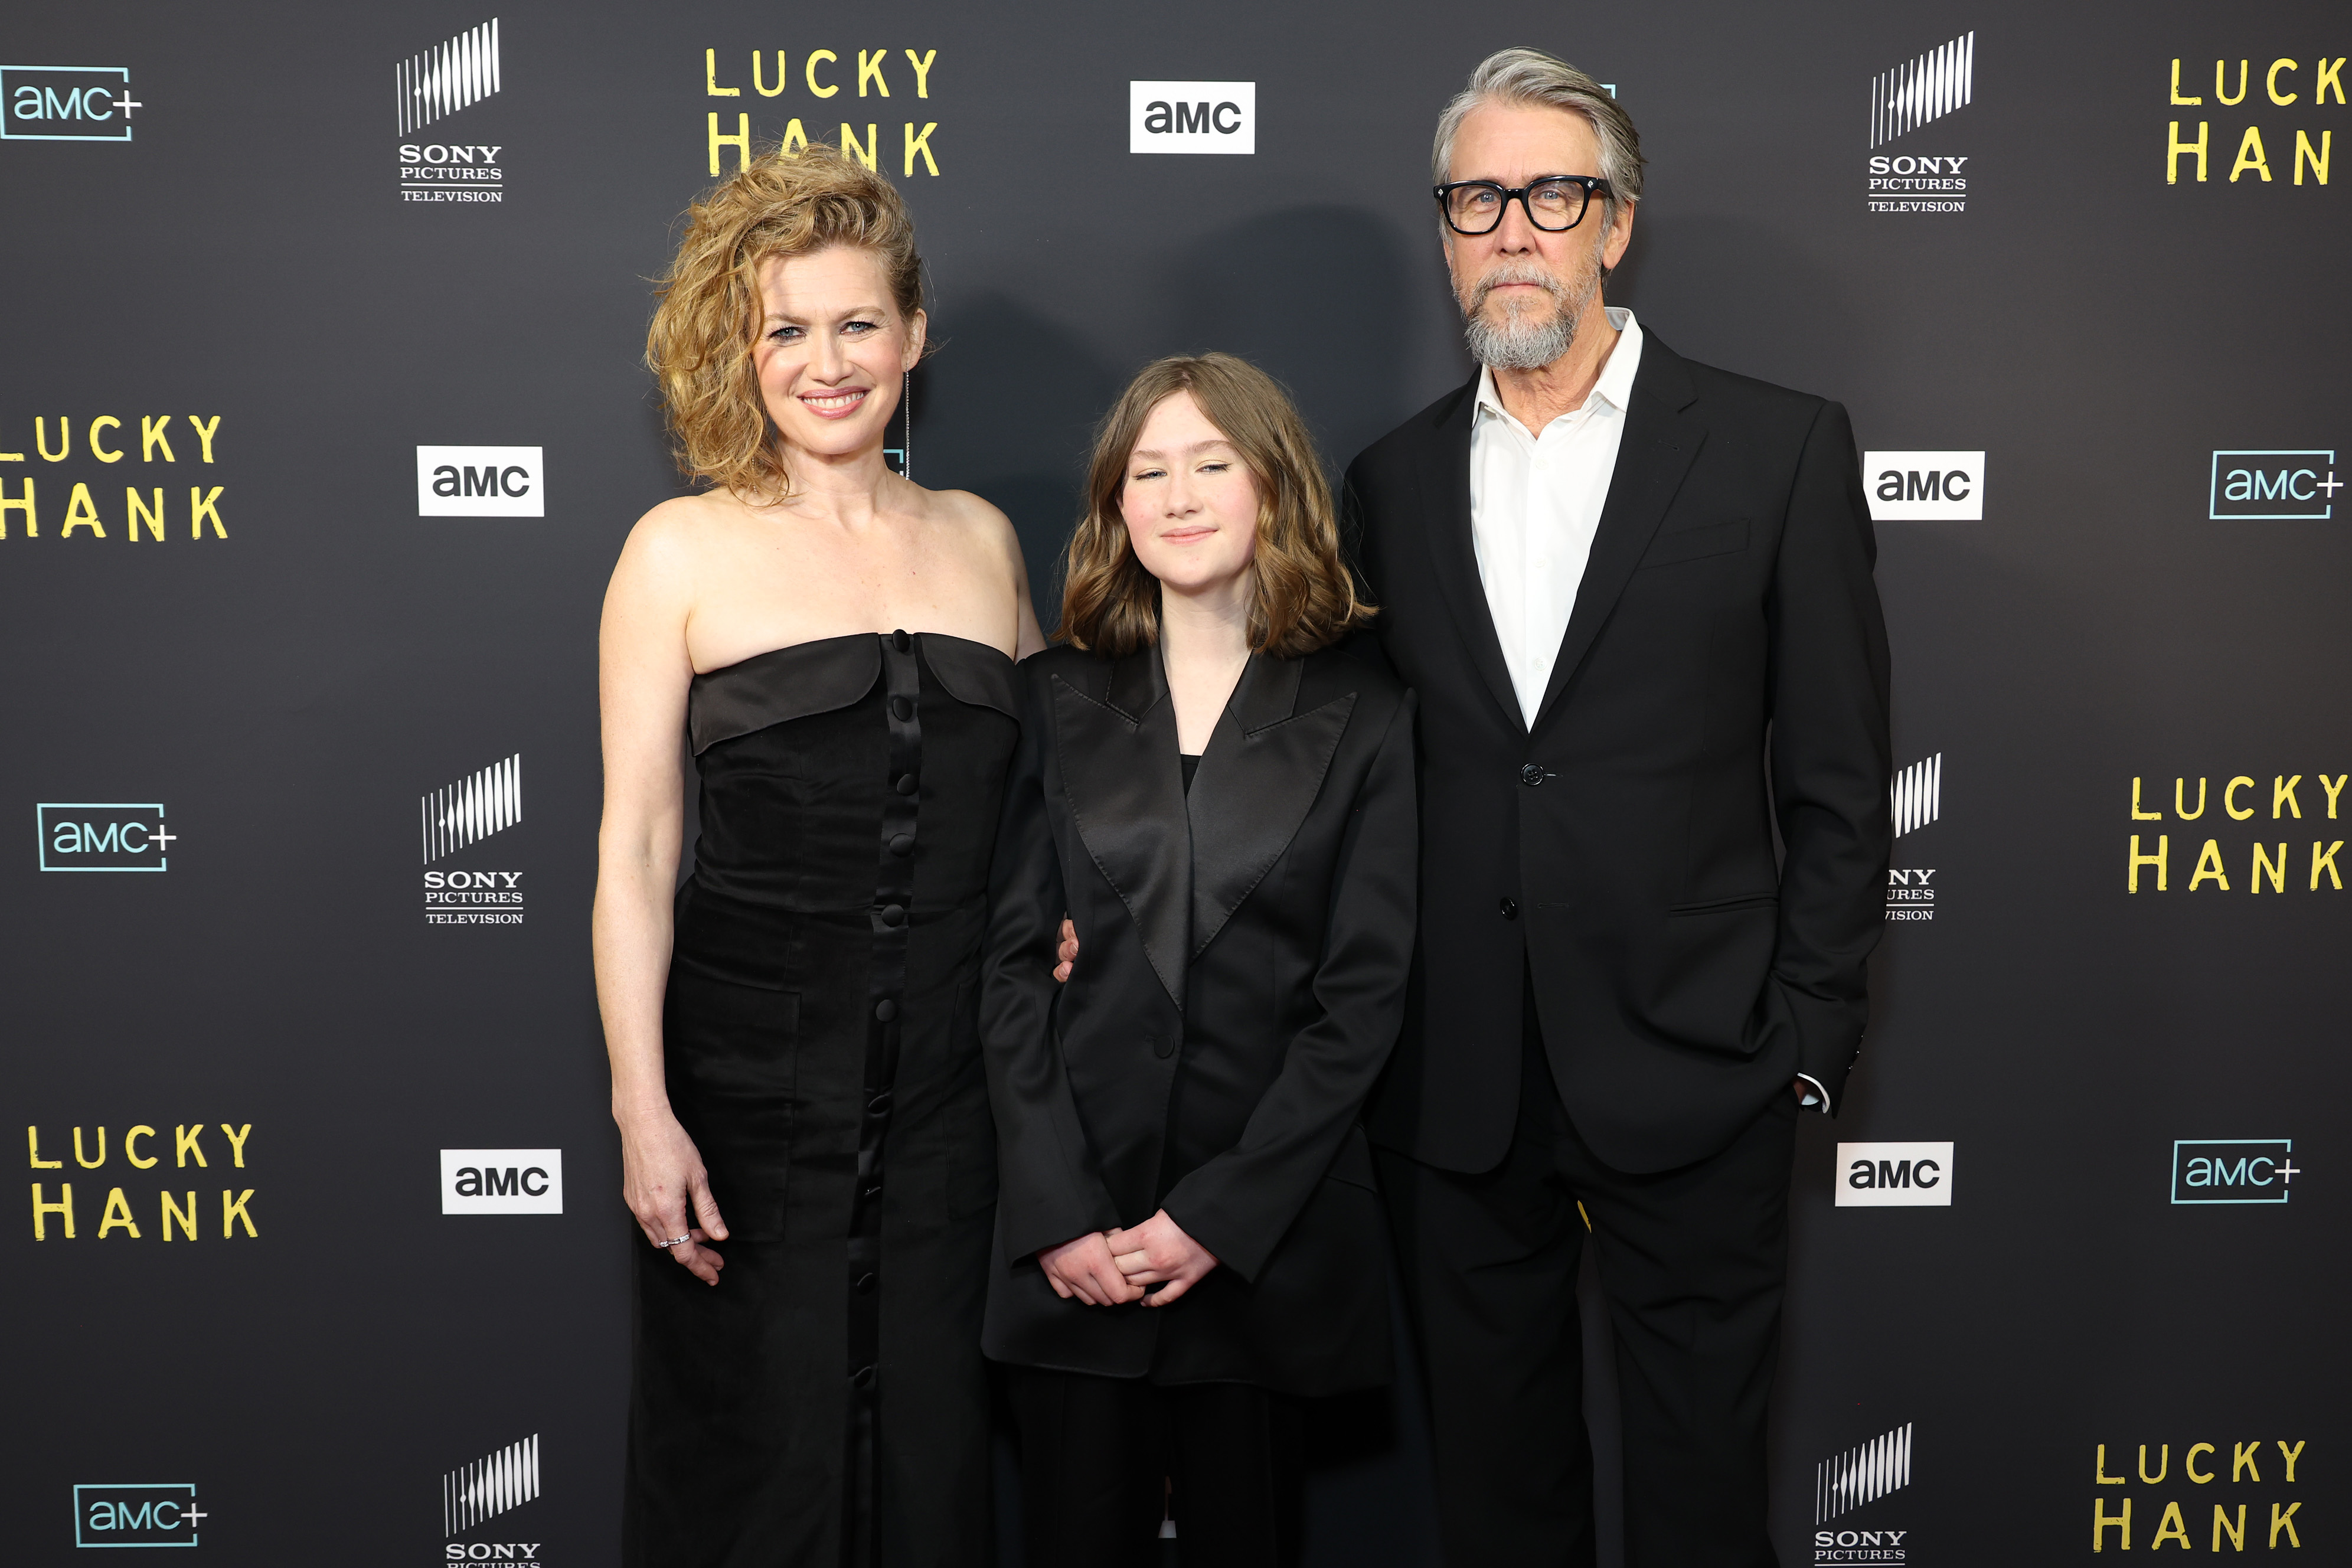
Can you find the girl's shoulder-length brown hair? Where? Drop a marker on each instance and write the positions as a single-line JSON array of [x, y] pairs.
[[1303, 596], [784, 202]]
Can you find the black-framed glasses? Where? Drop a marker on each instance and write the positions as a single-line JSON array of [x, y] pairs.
[[1554, 204]]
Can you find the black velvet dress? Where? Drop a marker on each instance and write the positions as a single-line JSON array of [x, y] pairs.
[[826, 1403]]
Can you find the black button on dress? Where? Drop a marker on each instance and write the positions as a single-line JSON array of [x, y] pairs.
[[827, 1403]]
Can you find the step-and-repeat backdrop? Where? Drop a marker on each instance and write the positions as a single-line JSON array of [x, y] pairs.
[[321, 422]]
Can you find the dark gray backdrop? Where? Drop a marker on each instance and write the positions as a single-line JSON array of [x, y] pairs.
[[289, 691]]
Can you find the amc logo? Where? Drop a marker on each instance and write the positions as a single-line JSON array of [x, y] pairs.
[[501, 1181], [136, 1513], [66, 104], [2273, 486], [1925, 486], [481, 481], [1191, 117], [83, 836], [2232, 1170], [1894, 1175]]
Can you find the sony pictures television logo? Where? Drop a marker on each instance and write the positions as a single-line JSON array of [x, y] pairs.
[[2280, 485], [66, 104], [451, 76], [1862, 1475], [113, 837], [501, 1181], [1191, 117], [1894, 1175], [137, 1513], [481, 481], [453, 820], [1921, 92], [1915, 800], [2233, 1170]]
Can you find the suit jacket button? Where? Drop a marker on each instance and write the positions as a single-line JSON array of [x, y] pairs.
[[1531, 775], [1162, 1046], [902, 843], [902, 708], [906, 785], [1510, 909]]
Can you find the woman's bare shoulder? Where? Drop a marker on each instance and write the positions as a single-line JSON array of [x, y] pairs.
[[969, 514]]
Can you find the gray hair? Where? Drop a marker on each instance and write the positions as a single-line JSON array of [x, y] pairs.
[[1530, 79]]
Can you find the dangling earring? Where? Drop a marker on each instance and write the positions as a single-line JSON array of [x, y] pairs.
[[906, 412]]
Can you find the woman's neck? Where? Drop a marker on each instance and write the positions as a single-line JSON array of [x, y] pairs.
[[846, 486], [1204, 648]]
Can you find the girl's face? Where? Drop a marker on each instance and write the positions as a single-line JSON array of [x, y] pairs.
[[831, 349], [1191, 504]]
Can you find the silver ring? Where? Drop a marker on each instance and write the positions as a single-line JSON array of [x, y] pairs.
[[673, 1241]]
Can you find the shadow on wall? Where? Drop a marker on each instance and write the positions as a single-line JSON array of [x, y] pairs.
[[1314, 297], [1007, 408]]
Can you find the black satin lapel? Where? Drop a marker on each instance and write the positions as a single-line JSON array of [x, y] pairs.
[[973, 673], [780, 685], [1444, 479], [1258, 779], [1126, 790], [1658, 448]]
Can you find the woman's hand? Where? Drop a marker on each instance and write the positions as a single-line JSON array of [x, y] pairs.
[[663, 1183], [1158, 1252], [1084, 1269]]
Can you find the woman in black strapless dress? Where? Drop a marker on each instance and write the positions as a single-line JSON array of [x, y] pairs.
[[796, 1068]]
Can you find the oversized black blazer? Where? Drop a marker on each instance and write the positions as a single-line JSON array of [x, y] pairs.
[[1240, 986], [1620, 849]]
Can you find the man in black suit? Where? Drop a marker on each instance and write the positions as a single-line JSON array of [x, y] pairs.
[[1635, 596]]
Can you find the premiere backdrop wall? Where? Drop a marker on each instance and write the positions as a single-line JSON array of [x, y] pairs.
[[322, 422]]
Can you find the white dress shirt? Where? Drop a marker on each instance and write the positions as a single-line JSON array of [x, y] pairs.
[[1535, 502]]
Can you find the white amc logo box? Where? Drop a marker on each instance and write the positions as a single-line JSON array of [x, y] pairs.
[[501, 1181], [1924, 487], [1894, 1175], [481, 481], [1191, 117]]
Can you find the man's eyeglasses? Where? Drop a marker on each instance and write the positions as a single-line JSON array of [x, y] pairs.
[[1554, 204]]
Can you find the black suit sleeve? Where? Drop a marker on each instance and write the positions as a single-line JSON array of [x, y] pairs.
[[1830, 757], [1240, 1203], [1049, 1188]]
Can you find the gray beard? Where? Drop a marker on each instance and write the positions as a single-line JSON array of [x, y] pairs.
[[1517, 338]]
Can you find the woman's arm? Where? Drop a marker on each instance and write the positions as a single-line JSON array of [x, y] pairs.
[[1239, 1205], [643, 672]]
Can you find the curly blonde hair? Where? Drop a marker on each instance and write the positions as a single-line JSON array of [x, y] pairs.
[[1304, 597], [701, 343]]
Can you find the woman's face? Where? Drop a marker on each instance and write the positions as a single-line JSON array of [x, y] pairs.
[[831, 349], [1190, 502]]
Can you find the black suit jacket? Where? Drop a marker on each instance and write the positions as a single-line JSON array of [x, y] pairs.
[[1621, 851], [1243, 981]]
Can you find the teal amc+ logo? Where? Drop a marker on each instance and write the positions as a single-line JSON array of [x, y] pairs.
[[80, 836], [136, 1513], [66, 104]]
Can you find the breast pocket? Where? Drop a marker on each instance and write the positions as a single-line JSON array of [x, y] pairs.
[[1681, 544]]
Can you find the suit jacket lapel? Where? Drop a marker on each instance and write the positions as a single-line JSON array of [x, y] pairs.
[[1659, 445], [1258, 778], [1445, 480], [1126, 790]]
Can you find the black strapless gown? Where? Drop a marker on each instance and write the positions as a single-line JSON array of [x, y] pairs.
[[826, 1404]]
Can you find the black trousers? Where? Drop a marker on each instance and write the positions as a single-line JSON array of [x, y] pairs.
[[1693, 1262], [1102, 1457]]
